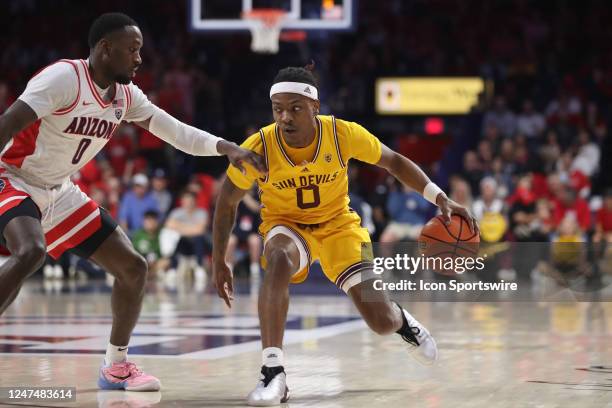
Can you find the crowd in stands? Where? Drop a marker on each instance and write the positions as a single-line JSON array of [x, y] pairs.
[[535, 156]]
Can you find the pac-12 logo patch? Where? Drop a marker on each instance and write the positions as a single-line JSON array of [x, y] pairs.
[[328, 157], [2, 185], [118, 105]]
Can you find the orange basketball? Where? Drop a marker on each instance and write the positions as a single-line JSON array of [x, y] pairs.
[[455, 239]]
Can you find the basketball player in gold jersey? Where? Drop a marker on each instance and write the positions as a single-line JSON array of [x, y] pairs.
[[306, 216]]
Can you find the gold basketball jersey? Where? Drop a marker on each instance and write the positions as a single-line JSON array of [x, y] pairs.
[[314, 191]]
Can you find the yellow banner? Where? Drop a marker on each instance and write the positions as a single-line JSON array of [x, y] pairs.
[[427, 96]]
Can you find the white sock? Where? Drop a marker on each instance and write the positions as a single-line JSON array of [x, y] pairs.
[[115, 354], [272, 357], [254, 269]]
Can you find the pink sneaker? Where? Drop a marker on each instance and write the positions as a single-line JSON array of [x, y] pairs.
[[126, 376]]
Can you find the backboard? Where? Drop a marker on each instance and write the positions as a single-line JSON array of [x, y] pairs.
[[226, 15]]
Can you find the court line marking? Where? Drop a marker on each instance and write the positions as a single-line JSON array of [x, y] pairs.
[[291, 337]]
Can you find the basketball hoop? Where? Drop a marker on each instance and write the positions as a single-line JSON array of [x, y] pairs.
[[265, 26]]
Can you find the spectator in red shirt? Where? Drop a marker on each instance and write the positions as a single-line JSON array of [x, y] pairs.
[[603, 221], [203, 186], [554, 187], [170, 98], [112, 189], [568, 203], [150, 146], [120, 149]]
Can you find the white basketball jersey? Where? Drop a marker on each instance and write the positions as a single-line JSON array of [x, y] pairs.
[[73, 125]]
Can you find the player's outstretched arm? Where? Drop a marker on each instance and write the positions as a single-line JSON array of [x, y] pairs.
[[198, 142], [412, 176], [16, 118], [223, 222]]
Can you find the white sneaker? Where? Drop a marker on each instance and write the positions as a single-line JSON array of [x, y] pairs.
[[183, 267], [421, 344], [58, 272], [48, 271], [170, 275], [199, 273], [254, 270], [200, 278], [271, 390]]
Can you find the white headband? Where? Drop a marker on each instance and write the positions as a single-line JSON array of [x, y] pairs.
[[300, 88]]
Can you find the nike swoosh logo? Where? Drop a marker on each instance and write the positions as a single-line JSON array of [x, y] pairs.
[[122, 348], [87, 103], [120, 378]]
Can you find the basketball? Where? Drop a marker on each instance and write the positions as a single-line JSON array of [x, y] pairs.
[[456, 239]]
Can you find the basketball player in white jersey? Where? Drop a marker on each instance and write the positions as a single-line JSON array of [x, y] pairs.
[[67, 113]]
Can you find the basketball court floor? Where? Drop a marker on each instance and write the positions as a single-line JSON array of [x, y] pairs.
[[501, 354]]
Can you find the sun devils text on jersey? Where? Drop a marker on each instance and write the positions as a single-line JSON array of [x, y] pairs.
[[315, 190]]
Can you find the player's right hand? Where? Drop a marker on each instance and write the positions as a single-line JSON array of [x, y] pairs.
[[449, 207], [238, 156], [224, 281]]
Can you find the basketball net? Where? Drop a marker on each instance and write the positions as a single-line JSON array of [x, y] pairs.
[[265, 26]]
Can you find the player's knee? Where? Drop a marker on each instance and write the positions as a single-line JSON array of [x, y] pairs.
[[140, 266], [279, 261], [135, 271], [31, 255]]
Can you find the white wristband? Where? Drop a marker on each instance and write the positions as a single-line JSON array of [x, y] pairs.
[[431, 192]]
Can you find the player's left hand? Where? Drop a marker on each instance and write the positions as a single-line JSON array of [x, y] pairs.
[[223, 280], [449, 207], [238, 156]]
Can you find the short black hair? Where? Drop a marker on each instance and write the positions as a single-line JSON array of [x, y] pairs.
[[297, 74], [107, 23], [151, 214]]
